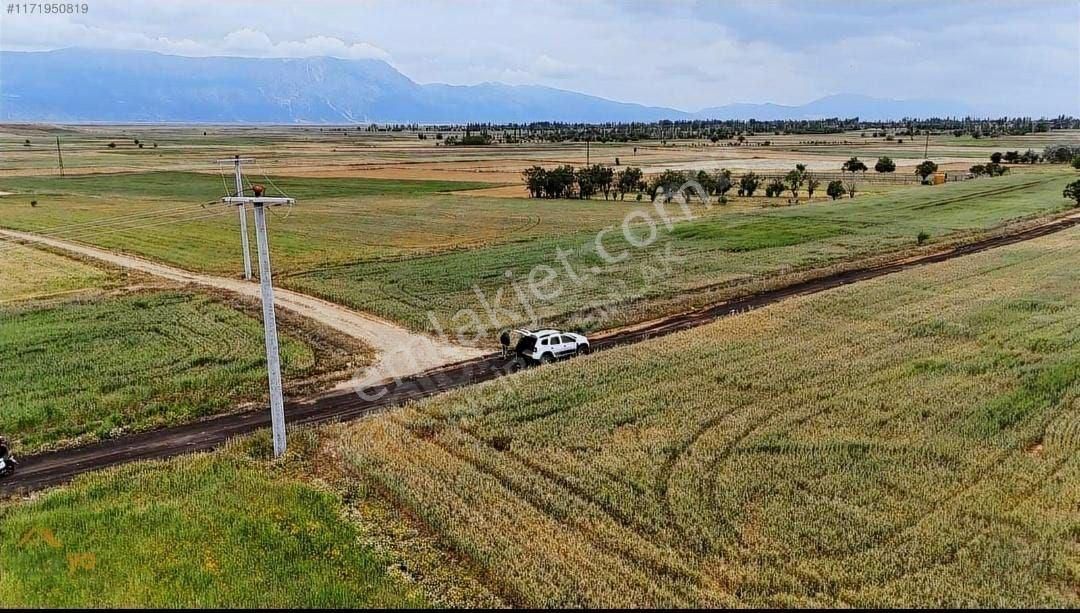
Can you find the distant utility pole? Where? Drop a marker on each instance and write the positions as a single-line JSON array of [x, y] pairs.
[[588, 139], [273, 362], [242, 210], [60, 157], [926, 148]]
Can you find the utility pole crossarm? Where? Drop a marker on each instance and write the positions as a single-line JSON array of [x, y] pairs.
[[258, 200]]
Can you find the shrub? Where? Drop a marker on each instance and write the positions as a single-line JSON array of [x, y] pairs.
[[1060, 154], [922, 237], [748, 184], [925, 169], [885, 164], [775, 188], [835, 189], [853, 165], [1072, 192]]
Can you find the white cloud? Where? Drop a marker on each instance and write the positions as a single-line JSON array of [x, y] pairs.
[[255, 43], [1019, 57]]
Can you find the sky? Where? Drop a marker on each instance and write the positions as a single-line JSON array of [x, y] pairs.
[[1002, 57]]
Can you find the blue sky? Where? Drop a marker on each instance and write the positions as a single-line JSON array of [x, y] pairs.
[[998, 56]]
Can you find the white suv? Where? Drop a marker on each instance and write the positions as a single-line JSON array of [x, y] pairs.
[[546, 346]]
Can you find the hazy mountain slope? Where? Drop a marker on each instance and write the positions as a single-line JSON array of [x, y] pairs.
[[73, 85], [840, 105]]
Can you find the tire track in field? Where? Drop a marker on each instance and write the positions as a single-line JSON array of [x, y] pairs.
[[44, 470], [388, 339]]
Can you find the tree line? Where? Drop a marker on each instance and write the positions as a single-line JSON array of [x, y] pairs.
[[567, 182]]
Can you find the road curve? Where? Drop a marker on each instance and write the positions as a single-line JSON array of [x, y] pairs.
[[48, 469]]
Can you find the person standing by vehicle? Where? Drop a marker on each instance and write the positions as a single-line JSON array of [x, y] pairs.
[[7, 463], [504, 340]]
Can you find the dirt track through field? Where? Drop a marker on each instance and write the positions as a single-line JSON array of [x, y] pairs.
[[401, 352], [47, 469]]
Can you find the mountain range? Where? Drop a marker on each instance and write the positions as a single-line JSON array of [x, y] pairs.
[[94, 85]]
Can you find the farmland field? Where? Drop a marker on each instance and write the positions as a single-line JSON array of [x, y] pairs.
[[30, 274], [160, 215], [395, 228], [908, 441], [95, 364], [718, 250], [203, 531]]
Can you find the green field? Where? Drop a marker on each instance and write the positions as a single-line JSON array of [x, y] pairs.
[[201, 187], [908, 441], [335, 222], [32, 274], [200, 531], [718, 250], [93, 366], [401, 248]]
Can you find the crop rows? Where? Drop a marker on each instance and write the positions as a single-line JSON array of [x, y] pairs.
[[909, 441], [720, 247], [88, 368]]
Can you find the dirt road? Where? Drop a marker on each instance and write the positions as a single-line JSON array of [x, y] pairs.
[[44, 470], [401, 352]]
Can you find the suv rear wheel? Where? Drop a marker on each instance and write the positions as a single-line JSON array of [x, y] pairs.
[[547, 358]]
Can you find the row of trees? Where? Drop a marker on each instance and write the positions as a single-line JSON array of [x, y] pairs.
[[566, 182]]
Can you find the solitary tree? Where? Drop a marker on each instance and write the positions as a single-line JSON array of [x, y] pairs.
[[835, 189], [885, 164], [925, 169], [995, 157], [853, 165]]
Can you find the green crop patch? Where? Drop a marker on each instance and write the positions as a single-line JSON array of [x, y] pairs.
[[768, 233], [202, 531], [199, 187], [92, 368]]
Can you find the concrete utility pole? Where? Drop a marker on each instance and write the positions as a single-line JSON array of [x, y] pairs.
[[242, 210], [273, 361]]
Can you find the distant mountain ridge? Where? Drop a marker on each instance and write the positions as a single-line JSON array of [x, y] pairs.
[[92, 85], [841, 105]]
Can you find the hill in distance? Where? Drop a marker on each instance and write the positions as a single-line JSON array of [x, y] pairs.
[[93, 85]]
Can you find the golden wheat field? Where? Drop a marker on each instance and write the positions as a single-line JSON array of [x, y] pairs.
[[913, 440]]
